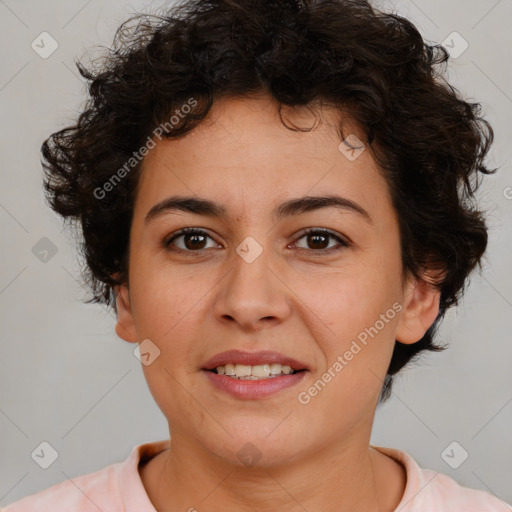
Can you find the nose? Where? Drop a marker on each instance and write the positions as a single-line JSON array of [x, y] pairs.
[[253, 294]]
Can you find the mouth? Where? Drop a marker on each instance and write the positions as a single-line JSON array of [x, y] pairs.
[[260, 365], [257, 372], [253, 375]]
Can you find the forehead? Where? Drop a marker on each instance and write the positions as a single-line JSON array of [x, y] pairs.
[[243, 156]]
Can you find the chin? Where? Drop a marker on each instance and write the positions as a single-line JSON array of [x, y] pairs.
[[257, 444]]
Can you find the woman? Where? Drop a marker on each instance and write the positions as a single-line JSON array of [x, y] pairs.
[[275, 201]]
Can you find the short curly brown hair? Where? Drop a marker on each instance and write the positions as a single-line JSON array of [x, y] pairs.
[[375, 66]]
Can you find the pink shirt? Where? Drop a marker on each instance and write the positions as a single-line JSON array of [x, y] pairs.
[[118, 488]]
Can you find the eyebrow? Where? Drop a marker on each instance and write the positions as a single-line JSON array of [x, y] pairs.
[[297, 206]]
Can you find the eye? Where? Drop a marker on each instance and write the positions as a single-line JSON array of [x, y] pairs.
[[193, 240], [319, 238]]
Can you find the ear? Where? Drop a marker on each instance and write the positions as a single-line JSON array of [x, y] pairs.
[[125, 326], [420, 309]]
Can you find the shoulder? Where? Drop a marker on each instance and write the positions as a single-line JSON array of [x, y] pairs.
[[428, 490], [115, 488], [454, 497], [86, 493]]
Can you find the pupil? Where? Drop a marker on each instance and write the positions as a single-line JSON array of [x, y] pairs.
[[313, 237], [194, 237]]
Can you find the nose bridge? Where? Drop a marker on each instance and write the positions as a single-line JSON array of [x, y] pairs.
[[251, 264], [252, 291]]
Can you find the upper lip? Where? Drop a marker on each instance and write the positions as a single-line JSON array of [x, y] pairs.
[[252, 359]]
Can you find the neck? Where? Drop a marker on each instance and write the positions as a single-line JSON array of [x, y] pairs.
[[350, 476]]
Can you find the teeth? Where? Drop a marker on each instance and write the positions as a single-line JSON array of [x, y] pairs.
[[229, 369], [242, 370], [260, 371], [275, 369]]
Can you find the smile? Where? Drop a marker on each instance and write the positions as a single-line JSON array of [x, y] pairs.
[[257, 372]]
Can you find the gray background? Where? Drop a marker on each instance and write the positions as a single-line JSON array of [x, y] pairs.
[[66, 378]]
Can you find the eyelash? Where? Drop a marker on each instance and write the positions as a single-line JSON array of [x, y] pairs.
[[343, 243]]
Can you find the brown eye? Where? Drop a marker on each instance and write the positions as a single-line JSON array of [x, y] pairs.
[[319, 239], [192, 240]]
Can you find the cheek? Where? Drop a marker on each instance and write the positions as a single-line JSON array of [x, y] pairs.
[[348, 301], [357, 351], [356, 313], [169, 298], [167, 308]]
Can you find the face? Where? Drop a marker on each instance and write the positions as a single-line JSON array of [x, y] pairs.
[[317, 282]]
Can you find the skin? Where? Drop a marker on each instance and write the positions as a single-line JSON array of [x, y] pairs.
[[193, 305]]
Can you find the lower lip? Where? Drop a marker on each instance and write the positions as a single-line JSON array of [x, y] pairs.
[[254, 389]]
